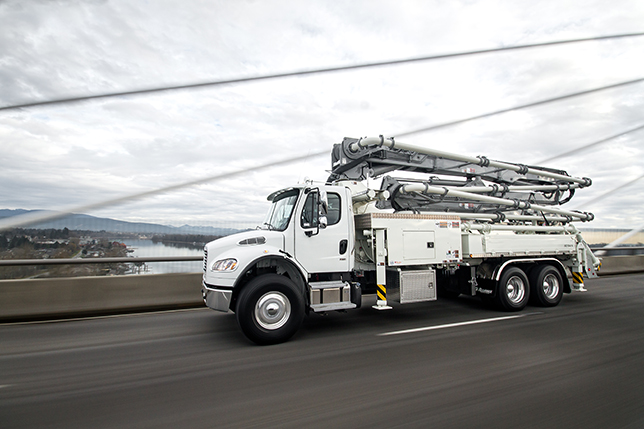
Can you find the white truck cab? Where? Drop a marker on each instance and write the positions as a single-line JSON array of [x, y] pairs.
[[305, 244]]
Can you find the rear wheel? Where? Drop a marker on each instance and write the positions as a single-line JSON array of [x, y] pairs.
[[546, 286], [270, 309], [513, 290]]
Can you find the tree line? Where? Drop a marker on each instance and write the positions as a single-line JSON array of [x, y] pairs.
[[19, 237], [184, 240]]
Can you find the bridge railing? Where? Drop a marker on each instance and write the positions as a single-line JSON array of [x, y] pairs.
[[619, 251], [67, 297], [79, 261]]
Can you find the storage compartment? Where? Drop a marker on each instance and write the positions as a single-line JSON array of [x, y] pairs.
[[331, 295], [416, 239], [411, 286], [418, 245]]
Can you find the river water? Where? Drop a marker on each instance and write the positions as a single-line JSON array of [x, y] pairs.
[[144, 248]]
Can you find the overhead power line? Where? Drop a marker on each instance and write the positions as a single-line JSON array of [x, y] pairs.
[[589, 145], [317, 71], [522, 106]]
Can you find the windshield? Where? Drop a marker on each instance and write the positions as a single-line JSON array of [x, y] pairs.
[[280, 211]]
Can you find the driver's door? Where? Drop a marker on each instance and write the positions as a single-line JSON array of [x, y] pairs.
[[324, 249]]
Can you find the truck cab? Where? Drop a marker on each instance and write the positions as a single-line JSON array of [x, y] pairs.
[[299, 259]]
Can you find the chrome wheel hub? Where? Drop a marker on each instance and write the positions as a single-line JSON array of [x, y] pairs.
[[272, 310], [515, 290], [550, 286]]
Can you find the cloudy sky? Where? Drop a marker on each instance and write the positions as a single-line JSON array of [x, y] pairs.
[[65, 155]]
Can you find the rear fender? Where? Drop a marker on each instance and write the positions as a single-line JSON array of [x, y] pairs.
[[498, 271]]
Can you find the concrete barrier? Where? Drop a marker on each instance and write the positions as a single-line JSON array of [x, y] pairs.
[[38, 299], [35, 299], [621, 264]]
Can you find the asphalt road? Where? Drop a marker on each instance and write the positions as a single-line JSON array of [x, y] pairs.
[[580, 364]]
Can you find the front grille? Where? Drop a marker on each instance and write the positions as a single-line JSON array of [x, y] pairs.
[[205, 259]]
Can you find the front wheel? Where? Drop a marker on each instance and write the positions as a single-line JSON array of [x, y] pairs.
[[513, 290], [270, 309]]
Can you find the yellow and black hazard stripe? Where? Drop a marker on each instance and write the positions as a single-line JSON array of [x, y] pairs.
[[382, 292], [578, 278]]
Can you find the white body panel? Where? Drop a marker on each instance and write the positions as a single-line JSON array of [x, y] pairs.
[[530, 244], [495, 244], [429, 239], [417, 239], [245, 254]]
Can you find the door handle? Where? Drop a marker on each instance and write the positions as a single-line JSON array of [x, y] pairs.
[[343, 246]]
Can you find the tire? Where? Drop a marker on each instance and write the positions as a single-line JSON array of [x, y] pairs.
[[546, 286], [513, 290], [270, 309]]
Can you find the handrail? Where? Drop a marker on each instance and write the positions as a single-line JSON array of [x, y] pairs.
[[65, 261], [618, 250]]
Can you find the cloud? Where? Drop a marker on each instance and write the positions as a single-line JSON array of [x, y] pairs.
[[57, 155]]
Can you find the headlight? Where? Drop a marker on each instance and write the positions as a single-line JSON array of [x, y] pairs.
[[225, 265]]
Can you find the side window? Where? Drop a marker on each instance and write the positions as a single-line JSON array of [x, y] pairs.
[[309, 213], [333, 214], [309, 217]]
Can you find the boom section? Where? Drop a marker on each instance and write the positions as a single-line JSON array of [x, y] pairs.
[[489, 190]]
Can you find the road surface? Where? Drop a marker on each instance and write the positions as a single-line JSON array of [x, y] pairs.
[[452, 363]]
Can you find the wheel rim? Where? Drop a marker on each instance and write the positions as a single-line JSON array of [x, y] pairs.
[[272, 310], [550, 286], [515, 289]]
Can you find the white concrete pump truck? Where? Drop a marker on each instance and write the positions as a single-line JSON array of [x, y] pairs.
[[469, 226]]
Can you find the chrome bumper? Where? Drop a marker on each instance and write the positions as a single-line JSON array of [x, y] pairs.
[[217, 299]]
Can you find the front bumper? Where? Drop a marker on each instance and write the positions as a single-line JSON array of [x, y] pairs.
[[216, 298]]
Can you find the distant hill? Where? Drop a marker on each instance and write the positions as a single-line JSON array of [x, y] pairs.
[[93, 223]]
